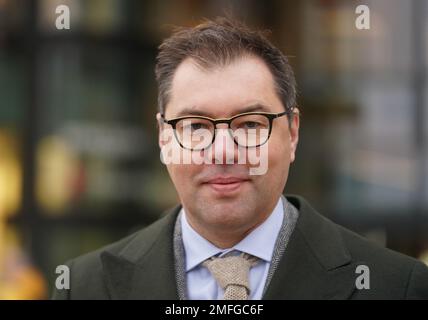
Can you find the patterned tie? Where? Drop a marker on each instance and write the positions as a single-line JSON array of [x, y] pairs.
[[231, 273]]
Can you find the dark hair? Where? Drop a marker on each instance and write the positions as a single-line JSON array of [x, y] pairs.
[[217, 43]]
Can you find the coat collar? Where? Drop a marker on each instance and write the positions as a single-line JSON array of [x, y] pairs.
[[144, 269], [315, 264]]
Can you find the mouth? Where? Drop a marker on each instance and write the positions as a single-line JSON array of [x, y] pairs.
[[226, 185]]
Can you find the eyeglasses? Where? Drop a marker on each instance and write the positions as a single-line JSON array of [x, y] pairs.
[[248, 130]]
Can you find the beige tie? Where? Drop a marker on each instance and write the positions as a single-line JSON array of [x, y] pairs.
[[231, 273]]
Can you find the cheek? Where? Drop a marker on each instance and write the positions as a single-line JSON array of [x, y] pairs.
[[279, 151], [278, 162], [279, 159], [281, 143], [182, 175]]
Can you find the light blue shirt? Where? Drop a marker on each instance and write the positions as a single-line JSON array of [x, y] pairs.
[[201, 285]]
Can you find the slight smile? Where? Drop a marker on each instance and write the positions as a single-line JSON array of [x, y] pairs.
[[226, 185]]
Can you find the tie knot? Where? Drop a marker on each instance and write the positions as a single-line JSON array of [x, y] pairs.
[[231, 270]]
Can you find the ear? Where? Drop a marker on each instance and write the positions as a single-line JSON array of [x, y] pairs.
[[294, 133], [159, 121]]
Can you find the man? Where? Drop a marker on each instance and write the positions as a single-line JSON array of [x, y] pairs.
[[225, 91]]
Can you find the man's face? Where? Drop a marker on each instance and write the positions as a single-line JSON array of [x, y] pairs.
[[225, 197]]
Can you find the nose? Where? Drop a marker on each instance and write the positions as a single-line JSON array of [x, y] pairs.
[[224, 148]]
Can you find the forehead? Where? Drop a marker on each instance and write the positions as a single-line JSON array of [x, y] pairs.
[[222, 91]]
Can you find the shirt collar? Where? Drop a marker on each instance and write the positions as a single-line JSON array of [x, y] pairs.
[[260, 242]]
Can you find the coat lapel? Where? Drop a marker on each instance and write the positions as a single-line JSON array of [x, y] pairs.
[[144, 269], [316, 263]]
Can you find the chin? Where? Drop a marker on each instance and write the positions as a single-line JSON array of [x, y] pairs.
[[227, 221], [227, 211]]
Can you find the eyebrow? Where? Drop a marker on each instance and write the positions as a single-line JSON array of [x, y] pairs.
[[195, 112]]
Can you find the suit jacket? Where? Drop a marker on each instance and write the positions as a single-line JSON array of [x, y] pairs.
[[320, 262]]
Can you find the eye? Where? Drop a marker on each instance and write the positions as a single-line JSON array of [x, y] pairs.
[[197, 126], [251, 125], [194, 126]]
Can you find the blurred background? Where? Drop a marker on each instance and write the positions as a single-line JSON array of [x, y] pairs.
[[79, 162]]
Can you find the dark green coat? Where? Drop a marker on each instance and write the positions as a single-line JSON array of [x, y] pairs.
[[319, 262]]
